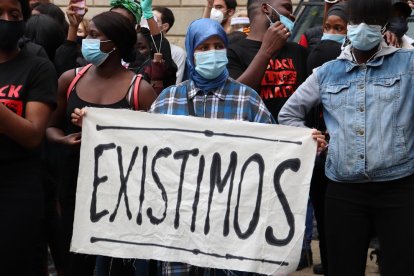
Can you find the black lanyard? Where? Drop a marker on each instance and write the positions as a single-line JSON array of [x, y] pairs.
[[190, 105]]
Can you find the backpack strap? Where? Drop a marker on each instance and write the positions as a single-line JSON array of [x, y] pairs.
[[135, 94], [76, 79]]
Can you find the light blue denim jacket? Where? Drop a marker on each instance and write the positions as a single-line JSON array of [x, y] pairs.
[[368, 111]]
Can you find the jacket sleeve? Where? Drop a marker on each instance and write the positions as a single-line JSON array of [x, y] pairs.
[[296, 108]]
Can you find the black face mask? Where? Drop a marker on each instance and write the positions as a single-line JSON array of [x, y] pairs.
[[398, 26], [10, 32]]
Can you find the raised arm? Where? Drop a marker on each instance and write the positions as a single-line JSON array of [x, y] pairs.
[[207, 9], [273, 40]]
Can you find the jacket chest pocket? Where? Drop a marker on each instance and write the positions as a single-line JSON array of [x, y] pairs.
[[335, 95], [387, 89]]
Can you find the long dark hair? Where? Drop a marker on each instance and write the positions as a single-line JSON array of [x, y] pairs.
[[54, 12], [43, 30], [119, 30]]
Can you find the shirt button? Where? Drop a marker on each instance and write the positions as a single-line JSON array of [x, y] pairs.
[[361, 156], [361, 109], [360, 132], [361, 86]]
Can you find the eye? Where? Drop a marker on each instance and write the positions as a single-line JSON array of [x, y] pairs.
[[338, 28], [219, 46], [15, 15], [202, 48]]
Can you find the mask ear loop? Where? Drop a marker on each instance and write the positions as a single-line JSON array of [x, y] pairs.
[[384, 29], [345, 43]]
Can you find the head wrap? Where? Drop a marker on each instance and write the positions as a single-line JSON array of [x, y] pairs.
[[199, 31], [340, 10], [130, 5]]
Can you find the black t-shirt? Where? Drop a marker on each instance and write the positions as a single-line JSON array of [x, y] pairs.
[[26, 78], [285, 72]]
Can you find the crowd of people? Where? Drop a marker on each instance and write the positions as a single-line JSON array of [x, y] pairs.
[[350, 80]]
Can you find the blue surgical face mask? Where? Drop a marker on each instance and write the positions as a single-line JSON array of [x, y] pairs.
[[340, 38], [210, 64], [91, 51], [283, 19], [364, 37]]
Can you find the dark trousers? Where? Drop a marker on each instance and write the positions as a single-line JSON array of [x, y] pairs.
[[317, 194], [355, 210]]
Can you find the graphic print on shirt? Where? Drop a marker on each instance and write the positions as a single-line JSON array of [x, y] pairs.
[[279, 80], [10, 97]]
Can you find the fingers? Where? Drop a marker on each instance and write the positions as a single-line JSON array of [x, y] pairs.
[[77, 116]]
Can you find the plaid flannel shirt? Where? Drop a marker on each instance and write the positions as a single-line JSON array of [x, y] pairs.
[[233, 101]]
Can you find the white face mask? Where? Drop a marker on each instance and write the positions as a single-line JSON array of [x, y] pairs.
[[217, 15]]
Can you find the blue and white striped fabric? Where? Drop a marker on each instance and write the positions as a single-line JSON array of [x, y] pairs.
[[233, 101]]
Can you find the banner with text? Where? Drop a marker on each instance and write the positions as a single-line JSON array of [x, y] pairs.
[[211, 193]]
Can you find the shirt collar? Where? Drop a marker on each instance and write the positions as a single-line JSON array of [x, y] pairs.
[[193, 91]]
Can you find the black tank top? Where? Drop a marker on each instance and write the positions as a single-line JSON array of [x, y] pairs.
[[74, 101]]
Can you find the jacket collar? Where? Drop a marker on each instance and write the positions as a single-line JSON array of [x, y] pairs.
[[377, 60]]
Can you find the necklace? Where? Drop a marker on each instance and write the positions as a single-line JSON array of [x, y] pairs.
[[354, 59]]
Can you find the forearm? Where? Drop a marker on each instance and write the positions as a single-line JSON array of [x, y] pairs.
[[72, 33], [21, 130], [153, 26], [253, 75], [207, 11], [55, 135]]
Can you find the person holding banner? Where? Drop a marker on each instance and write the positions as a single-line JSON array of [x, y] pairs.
[[210, 93], [367, 97], [105, 82], [209, 83]]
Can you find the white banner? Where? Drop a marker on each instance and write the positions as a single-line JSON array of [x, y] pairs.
[[211, 193]]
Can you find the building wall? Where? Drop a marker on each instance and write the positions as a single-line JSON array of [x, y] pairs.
[[184, 11]]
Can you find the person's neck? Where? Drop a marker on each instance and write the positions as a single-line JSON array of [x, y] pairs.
[[362, 57], [226, 26], [8, 55], [109, 68], [257, 31]]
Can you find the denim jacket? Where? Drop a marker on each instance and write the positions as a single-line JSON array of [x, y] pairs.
[[368, 111]]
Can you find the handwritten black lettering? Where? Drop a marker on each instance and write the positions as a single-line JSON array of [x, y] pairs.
[[124, 179], [99, 149], [183, 154], [165, 152], [215, 179], [256, 213], [197, 193], [143, 176], [294, 165]]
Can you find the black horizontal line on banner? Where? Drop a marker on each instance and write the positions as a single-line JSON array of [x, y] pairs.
[[194, 251], [207, 133]]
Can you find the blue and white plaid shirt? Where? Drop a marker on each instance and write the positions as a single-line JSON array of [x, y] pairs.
[[234, 101]]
